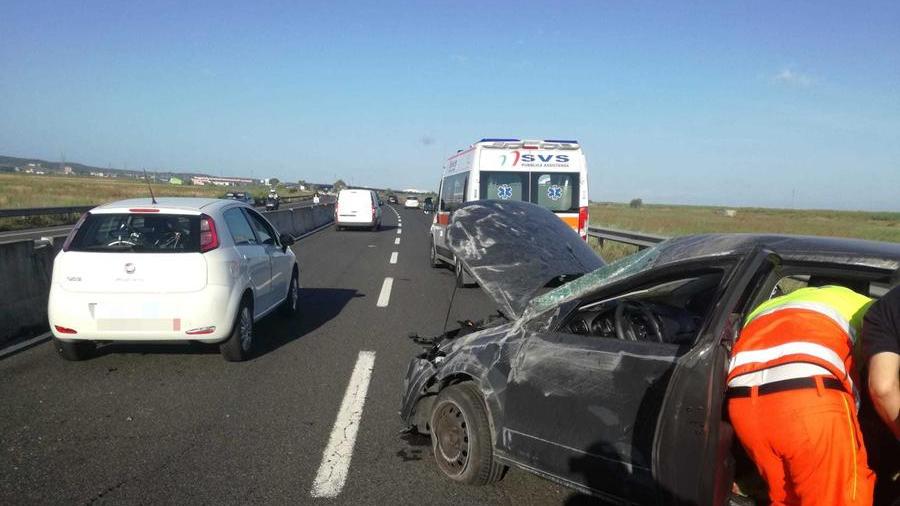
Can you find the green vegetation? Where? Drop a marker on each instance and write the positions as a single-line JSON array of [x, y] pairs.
[[26, 190], [683, 220]]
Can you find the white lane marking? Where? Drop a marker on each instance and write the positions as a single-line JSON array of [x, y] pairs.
[[385, 296], [394, 257], [336, 459], [399, 230], [397, 241]]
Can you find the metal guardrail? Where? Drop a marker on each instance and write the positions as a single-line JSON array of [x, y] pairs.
[[43, 211], [639, 239], [47, 211]]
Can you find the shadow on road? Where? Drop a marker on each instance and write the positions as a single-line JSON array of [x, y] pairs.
[[317, 306]]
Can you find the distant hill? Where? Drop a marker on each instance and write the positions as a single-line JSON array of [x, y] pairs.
[[9, 163]]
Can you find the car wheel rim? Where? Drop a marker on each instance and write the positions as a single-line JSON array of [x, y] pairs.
[[452, 438], [246, 329]]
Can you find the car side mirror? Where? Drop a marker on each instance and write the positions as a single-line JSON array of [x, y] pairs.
[[286, 240]]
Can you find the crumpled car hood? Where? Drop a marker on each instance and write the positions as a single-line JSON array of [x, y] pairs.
[[513, 249]]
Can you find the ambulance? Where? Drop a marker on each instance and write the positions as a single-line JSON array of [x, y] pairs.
[[549, 173]]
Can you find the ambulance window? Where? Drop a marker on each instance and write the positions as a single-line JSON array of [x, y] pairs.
[[504, 185], [556, 191], [453, 191]]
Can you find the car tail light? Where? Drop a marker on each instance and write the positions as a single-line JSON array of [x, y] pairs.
[[209, 239], [583, 222], [201, 331], [64, 330], [373, 214], [74, 231]]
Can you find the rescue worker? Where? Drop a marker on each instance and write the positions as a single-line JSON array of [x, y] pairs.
[[792, 399]]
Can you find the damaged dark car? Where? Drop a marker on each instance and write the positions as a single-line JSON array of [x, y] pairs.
[[607, 378]]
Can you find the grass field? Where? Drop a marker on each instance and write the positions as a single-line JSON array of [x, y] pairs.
[[684, 220], [25, 190]]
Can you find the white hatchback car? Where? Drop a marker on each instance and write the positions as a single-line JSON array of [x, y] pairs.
[[180, 269], [411, 203]]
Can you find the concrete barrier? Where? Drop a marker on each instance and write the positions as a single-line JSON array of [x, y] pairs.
[[301, 220], [25, 271], [282, 220]]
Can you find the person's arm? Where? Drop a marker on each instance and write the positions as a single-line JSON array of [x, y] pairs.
[[884, 387]]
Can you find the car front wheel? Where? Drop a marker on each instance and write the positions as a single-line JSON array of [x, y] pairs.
[[239, 344], [292, 301], [74, 350], [461, 436], [434, 261]]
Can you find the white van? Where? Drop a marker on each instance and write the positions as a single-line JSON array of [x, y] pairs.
[[357, 208], [549, 173]]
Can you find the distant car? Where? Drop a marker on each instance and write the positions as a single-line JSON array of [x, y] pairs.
[[240, 197], [392, 199], [608, 378], [181, 269], [357, 208], [428, 205], [411, 203]]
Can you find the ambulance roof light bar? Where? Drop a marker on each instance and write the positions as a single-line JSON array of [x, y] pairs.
[[528, 144]]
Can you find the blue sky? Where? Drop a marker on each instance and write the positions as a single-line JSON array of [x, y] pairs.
[[697, 103]]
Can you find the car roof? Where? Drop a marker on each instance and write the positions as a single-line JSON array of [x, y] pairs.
[[875, 254], [184, 203]]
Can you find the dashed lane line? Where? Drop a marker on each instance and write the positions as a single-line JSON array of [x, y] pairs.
[[335, 464], [397, 241], [394, 257], [399, 230], [384, 298]]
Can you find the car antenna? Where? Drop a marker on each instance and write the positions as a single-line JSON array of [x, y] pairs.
[[152, 198], [449, 307]]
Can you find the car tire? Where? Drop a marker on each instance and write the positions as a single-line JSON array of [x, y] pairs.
[[292, 301], [239, 344], [434, 261], [463, 280], [461, 436], [74, 351]]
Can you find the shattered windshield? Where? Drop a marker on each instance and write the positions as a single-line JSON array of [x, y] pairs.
[[593, 280]]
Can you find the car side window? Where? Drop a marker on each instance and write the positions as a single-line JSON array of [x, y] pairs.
[[240, 230], [670, 311], [263, 230]]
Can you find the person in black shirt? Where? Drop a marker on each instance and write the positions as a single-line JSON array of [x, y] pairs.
[[881, 343]]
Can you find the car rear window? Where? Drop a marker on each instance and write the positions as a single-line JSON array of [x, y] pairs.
[[139, 233]]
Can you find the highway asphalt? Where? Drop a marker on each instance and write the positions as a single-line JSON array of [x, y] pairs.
[[176, 424]]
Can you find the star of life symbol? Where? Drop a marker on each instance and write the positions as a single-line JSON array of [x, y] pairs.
[[554, 192], [504, 192]]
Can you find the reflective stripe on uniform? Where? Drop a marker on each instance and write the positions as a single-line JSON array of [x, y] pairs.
[[817, 307], [794, 348], [779, 373]]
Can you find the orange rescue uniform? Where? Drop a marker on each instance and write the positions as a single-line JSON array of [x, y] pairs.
[[792, 399]]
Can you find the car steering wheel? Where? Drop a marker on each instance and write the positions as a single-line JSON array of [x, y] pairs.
[[625, 327]]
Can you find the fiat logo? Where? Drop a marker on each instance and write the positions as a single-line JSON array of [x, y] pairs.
[[129, 268]]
